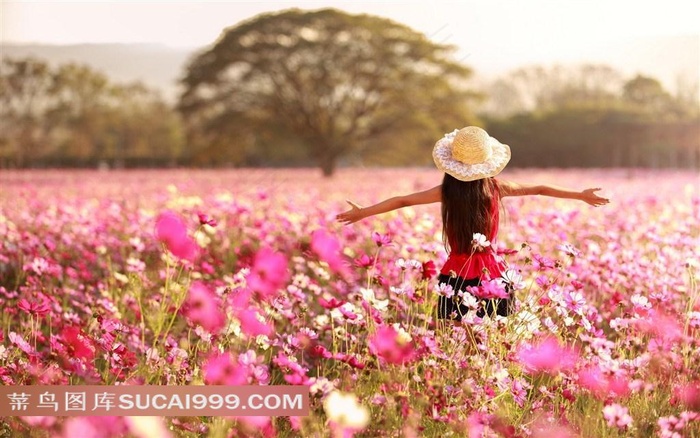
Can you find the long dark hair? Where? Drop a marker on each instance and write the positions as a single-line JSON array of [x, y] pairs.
[[466, 209]]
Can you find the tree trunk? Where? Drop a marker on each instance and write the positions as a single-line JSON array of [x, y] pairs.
[[328, 163]]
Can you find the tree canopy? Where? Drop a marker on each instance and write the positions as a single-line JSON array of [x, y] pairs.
[[340, 86]]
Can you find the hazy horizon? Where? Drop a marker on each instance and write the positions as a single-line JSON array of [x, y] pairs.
[[491, 37]]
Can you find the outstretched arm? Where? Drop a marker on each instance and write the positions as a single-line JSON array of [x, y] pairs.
[[509, 188], [357, 213]]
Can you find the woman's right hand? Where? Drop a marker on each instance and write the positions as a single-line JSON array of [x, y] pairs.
[[352, 215]]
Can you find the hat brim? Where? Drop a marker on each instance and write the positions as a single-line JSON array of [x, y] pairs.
[[442, 155]]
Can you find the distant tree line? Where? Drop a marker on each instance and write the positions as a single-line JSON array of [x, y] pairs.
[[588, 116], [326, 88], [73, 116]]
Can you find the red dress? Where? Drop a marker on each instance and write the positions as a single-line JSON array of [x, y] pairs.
[[470, 266]]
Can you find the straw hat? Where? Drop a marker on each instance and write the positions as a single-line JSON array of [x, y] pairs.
[[470, 153]]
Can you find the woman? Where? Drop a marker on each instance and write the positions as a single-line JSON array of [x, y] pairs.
[[470, 195]]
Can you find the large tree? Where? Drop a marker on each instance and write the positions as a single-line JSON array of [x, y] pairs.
[[338, 84]]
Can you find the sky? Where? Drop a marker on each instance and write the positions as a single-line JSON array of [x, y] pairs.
[[493, 33]]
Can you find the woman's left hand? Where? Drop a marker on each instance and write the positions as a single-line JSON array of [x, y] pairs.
[[591, 198]]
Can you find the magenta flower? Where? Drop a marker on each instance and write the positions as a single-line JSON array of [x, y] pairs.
[[36, 308], [224, 369], [269, 273], [328, 248], [391, 347], [331, 303], [203, 307], [490, 289], [546, 356], [172, 231]]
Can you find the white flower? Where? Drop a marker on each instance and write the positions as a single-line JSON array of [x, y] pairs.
[[368, 296], [513, 278], [551, 325], [344, 410], [405, 264], [480, 241], [640, 301], [121, 277], [469, 300], [321, 385], [568, 249], [402, 335], [397, 290], [143, 426], [526, 323]]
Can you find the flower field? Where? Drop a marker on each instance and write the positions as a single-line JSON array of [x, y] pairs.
[[244, 277]]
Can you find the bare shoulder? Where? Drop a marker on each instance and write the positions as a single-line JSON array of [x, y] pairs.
[[511, 188]]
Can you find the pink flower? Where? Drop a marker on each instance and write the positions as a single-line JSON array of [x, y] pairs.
[[77, 344], [295, 422], [664, 327], [251, 325], [294, 373], [489, 289], [541, 262], [269, 273], [391, 347], [21, 343], [548, 429], [204, 220], [171, 230], [256, 425], [40, 422], [331, 303], [547, 356], [688, 394], [39, 308], [602, 385], [224, 369], [203, 307], [617, 416], [94, 427], [381, 240], [364, 261], [328, 248], [478, 424]]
